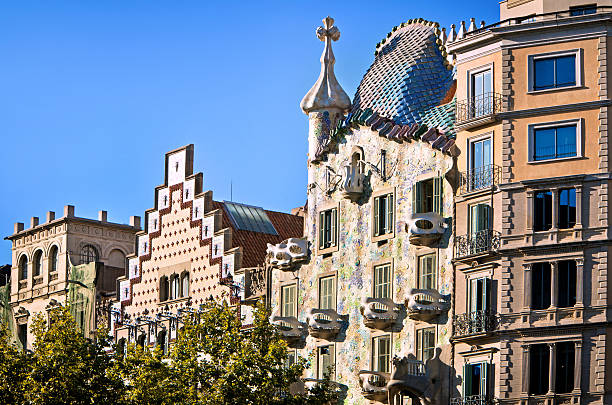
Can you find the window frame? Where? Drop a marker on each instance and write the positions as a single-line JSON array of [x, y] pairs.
[[531, 129], [284, 288], [419, 343], [545, 214], [376, 355], [384, 193], [437, 203], [320, 371], [559, 205], [470, 86], [375, 266], [578, 53], [434, 270], [321, 250], [334, 294], [544, 293]]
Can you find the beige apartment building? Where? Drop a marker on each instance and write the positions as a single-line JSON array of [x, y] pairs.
[[44, 255], [531, 315]]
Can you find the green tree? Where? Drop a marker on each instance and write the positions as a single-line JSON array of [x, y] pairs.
[[13, 369]]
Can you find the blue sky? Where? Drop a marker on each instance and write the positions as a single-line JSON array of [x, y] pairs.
[[94, 93]]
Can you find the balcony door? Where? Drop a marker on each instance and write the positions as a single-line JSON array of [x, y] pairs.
[[475, 380], [479, 304], [480, 164], [481, 93]]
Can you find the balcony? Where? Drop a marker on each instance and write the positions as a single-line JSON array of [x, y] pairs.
[[352, 186], [374, 385], [292, 330], [379, 313], [324, 323], [255, 283], [426, 229], [411, 375], [478, 110], [471, 400], [477, 243], [480, 178], [287, 255], [474, 323], [425, 305]]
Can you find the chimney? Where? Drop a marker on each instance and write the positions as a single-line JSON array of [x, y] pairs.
[[18, 227], [33, 222], [102, 216], [135, 221], [68, 211], [50, 216]]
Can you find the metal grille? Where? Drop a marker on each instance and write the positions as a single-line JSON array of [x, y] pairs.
[[480, 178], [471, 400], [477, 242], [474, 322], [479, 106]]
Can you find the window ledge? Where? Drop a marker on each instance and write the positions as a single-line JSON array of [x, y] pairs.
[[577, 87], [325, 251], [174, 301], [381, 238], [536, 162]]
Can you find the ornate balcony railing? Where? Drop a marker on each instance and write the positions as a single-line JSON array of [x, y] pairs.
[[480, 178], [480, 106], [471, 400], [477, 243], [475, 322]]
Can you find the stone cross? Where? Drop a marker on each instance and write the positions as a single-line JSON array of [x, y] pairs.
[[329, 30]]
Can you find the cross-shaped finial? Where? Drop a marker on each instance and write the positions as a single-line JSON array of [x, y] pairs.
[[329, 30]]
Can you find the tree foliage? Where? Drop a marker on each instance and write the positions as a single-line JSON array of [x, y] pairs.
[[212, 361]]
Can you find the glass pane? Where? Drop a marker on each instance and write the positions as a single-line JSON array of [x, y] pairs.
[[477, 155], [544, 74], [544, 143], [565, 71], [566, 141]]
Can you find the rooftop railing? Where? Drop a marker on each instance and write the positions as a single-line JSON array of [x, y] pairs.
[[480, 178]]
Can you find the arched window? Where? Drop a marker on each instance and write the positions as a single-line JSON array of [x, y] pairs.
[[164, 288], [161, 341], [53, 259], [140, 341], [116, 258], [37, 263], [185, 284], [175, 288], [89, 254], [23, 268]]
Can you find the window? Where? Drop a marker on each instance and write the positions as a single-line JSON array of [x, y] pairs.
[[383, 215], [22, 335], [161, 341], [327, 293], [480, 165], [328, 224], [175, 288], [185, 285], [475, 379], [481, 88], [540, 285], [288, 300], [291, 358], [583, 10], [567, 283], [564, 382], [427, 279], [89, 254], [37, 263], [567, 208], [542, 211], [555, 142], [164, 288], [480, 219], [23, 268], [427, 196], [53, 259], [382, 281], [554, 72], [381, 353], [426, 344], [479, 298], [539, 357], [326, 362]]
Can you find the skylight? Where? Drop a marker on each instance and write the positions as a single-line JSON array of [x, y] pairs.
[[249, 218]]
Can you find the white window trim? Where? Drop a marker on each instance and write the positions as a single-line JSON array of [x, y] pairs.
[[530, 69], [531, 134], [475, 71], [477, 138]]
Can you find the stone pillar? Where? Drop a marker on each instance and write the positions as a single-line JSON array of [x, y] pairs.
[[577, 366], [526, 286], [525, 371], [554, 291], [579, 282], [529, 225], [552, 368], [555, 209], [579, 213]]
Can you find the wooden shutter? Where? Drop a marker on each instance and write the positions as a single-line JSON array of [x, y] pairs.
[[467, 380], [484, 377], [389, 228], [437, 197], [486, 291], [334, 230], [376, 216], [417, 197], [321, 230]]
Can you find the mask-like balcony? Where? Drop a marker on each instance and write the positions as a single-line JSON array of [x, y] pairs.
[[480, 178], [352, 186], [374, 385], [477, 243], [474, 323], [292, 330], [288, 255], [425, 305], [324, 323], [478, 110], [410, 374], [379, 313], [426, 229]]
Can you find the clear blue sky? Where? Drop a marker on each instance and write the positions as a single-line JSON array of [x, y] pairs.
[[93, 93]]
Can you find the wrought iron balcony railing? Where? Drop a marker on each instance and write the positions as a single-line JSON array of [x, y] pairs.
[[480, 106], [471, 400], [474, 322], [480, 178], [476, 243]]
